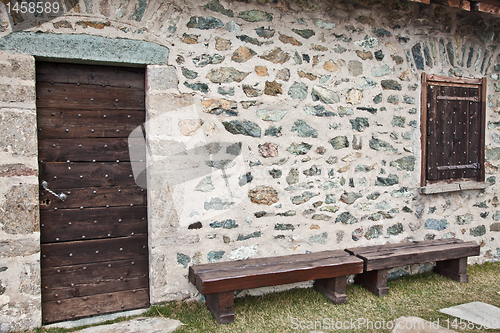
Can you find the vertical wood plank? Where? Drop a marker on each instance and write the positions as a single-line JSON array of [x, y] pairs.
[[423, 130], [432, 141], [474, 129], [482, 116]]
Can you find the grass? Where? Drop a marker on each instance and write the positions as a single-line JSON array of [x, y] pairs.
[[418, 295]]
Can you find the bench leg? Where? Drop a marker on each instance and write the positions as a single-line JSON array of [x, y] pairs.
[[374, 281], [455, 269], [221, 306], [333, 288]]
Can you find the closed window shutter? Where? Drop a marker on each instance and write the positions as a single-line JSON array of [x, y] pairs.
[[453, 132]]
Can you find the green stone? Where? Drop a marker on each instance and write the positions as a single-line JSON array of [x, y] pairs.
[[255, 234], [346, 218], [217, 7], [395, 229], [321, 217], [207, 59], [398, 121], [374, 232], [381, 145], [298, 90], [373, 196], [203, 87], [433, 224], [493, 154], [365, 83], [284, 227], [288, 213], [303, 198], [305, 33], [297, 58], [312, 171], [377, 99], [367, 42], [303, 129], [265, 32], [85, 47], [339, 142], [322, 24], [243, 127], [226, 75], [256, 16], [478, 231], [139, 11], [248, 39], [204, 22], [225, 224], [215, 256], [189, 74], [359, 123], [299, 148], [273, 131], [225, 92], [387, 181], [402, 192], [381, 71], [330, 209], [405, 163], [271, 115], [320, 239], [183, 259], [318, 111]]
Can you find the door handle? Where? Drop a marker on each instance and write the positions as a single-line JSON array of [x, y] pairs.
[[61, 196]]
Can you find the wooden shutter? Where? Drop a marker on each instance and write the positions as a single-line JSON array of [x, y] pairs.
[[453, 129]]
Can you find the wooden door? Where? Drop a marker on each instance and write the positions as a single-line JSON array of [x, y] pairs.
[[94, 243]]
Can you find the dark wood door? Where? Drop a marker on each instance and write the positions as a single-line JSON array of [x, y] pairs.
[[94, 243]]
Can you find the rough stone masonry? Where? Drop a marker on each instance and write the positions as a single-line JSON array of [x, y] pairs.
[[303, 117]]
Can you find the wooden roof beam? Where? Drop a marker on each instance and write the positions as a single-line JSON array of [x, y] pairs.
[[485, 6]]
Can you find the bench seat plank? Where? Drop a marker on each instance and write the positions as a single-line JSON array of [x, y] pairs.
[[218, 281], [390, 257], [450, 256], [255, 273], [397, 246]]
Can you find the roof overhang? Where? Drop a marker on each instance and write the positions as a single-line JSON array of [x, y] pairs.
[[485, 6]]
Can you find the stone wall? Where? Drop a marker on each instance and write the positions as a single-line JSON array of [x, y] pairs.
[[283, 127], [19, 216]]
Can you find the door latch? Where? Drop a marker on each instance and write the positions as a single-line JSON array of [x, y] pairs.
[[61, 196]]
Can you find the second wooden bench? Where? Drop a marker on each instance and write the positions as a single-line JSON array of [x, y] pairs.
[[218, 281], [450, 256]]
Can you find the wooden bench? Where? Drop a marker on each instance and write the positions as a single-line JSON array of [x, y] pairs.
[[450, 256], [218, 281]]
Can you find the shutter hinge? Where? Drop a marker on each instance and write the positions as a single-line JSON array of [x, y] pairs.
[[475, 166]]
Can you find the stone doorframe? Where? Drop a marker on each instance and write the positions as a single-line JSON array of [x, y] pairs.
[[20, 275]]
